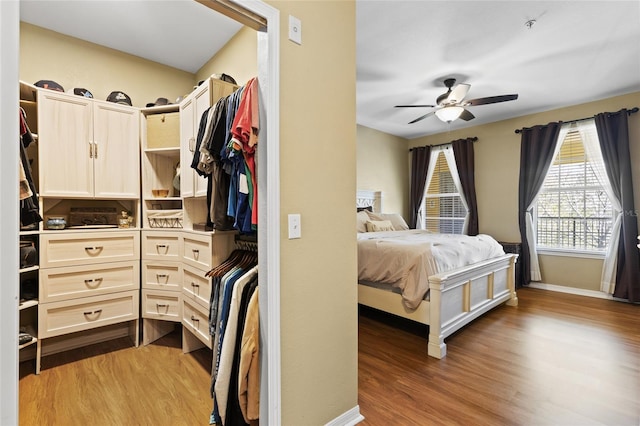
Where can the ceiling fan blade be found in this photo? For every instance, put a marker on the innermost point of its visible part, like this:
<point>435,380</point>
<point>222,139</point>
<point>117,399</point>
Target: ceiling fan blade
<point>422,117</point>
<point>458,93</point>
<point>415,106</point>
<point>466,115</point>
<point>492,100</point>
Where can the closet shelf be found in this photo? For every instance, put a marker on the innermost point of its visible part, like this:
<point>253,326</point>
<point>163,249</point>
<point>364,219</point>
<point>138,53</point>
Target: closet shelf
<point>30,268</point>
<point>28,304</point>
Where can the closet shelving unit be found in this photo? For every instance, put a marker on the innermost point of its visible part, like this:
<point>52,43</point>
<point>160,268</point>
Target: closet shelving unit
<point>177,256</point>
<point>88,163</point>
<point>28,303</point>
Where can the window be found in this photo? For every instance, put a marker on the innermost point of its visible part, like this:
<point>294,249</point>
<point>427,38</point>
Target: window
<point>573,211</point>
<point>443,207</point>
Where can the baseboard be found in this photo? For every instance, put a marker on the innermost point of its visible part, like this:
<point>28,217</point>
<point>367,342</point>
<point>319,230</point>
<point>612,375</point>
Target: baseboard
<point>571,290</point>
<point>348,418</point>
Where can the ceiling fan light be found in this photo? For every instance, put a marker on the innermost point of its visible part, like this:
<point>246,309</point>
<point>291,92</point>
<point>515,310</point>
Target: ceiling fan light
<point>450,113</point>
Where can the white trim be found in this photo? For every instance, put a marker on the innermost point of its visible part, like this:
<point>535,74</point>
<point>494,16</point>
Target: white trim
<point>571,290</point>
<point>348,418</point>
<point>571,253</point>
<point>9,216</point>
<point>269,210</point>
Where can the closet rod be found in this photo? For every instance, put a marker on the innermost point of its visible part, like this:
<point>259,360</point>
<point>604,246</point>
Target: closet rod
<point>629,112</point>
<point>237,13</point>
<point>473,139</point>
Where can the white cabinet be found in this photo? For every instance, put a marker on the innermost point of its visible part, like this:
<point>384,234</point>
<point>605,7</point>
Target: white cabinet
<point>88,148</point>
<point>191,110</point>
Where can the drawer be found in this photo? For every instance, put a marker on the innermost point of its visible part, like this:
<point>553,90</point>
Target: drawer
<point>162,305</point>
<point>162,276</point>
<point>70,249</point>
<point>65,317</point>
<point>161,246</point>
<point>197,251</point>
<point>195,319</point>
<point>73,282</point>
<point>195,286</point>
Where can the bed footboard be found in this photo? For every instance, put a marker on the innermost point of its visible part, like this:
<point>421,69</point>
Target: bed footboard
<point>459,296</point>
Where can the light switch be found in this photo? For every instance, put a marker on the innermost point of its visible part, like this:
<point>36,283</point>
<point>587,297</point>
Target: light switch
<point>295,30</point>
<point>294,226</point>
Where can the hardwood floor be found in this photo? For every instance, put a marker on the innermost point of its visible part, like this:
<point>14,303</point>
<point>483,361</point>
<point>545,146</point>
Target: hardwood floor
<point>115,384</point>
<point>563,360</point>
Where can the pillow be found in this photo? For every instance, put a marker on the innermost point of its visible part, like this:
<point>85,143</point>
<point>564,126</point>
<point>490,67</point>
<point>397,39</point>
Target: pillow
<point>361,219</point>
<point>379,225</point>
<point>396,220</point>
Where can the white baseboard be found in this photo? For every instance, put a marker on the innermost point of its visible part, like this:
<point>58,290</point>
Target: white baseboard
<point>348,418</point>
<point>571,290</point>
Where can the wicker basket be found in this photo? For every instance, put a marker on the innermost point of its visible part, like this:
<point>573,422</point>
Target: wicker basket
<point>165,218</point>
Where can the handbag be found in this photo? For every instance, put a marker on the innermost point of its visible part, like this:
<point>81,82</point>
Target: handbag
<point>28,254</point>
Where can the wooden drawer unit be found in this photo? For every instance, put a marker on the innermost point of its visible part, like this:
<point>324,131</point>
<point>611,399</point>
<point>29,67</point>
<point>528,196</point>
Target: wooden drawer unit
<point>63,317</point>
<point>84,248</point>
<point>73,282</point>
<point>165,276</point>
<point>195,319</point>
<point>161,245</point>
<point>198,250</point>
<point>195,286</point>
<point>162,305</point>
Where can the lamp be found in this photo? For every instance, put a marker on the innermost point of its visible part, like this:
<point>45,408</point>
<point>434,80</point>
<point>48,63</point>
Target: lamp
<point>449,113</point>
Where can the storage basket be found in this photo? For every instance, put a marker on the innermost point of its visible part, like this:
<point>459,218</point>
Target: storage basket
<point>165,218</point>
<point>163,130</point>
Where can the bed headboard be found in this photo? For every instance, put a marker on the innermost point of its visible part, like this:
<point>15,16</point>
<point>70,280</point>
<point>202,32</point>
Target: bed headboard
<point>373,199</point>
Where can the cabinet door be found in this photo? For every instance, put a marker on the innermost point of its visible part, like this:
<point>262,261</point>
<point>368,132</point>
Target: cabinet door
<point>65,141</point>
<point>116,151</point>
<point>187,143</point>
<point>202,102</point>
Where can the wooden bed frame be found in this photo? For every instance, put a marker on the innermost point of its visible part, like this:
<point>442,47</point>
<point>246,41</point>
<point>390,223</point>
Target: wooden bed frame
<point>455,297</point>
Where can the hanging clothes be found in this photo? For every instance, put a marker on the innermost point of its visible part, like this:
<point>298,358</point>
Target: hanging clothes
<point>230,281</point>
<point>249,368</point>
<point>29,209</point>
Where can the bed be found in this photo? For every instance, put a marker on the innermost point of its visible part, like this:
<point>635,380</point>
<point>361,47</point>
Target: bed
<point>442,281</point>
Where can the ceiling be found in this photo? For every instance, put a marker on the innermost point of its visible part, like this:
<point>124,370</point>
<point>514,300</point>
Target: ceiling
<point>574,51</point>
<point>183,34</point>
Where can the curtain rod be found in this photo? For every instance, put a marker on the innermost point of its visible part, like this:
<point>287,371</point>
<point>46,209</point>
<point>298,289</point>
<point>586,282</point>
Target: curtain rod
<point>473,139</point>
<point>629,112</point>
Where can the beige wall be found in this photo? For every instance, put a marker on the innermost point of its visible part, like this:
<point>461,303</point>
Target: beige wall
<point>382,165</point>
<point>497,155</point>
<point>47,55</point>
<point>318,177</point>
<point>237,58</point>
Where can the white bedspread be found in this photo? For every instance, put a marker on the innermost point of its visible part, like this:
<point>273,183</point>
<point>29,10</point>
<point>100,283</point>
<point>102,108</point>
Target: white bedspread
<point>405,259</point>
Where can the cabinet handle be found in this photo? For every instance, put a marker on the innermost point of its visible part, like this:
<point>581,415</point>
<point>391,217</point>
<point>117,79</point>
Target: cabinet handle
<point>97,281</point>
<point>90,149</point>
<point>162,246</point>
<point>96,248</point>
<point>162,305</point>
<point>97,311</point>
<point>95,150</point>
<point>196,253</point>
<point>195,285</point>
<point>195,319</point>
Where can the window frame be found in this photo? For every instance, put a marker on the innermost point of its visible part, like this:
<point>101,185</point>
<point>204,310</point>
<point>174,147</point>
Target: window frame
<point>566,251</point>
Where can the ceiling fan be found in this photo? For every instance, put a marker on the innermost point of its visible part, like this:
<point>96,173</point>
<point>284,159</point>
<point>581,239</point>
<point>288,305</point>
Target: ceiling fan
<point>451,105</point>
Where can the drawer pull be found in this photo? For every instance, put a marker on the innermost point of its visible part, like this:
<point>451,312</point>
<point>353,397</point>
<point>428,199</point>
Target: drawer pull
<point>160,247</point>
<point>162,278</point>
<point>95,281</point>
<point>196,253</point>
<point>96,312</point>
<point>195,319</point>
<point>94,249</point>
<point>195,285</point>
<point>162,305</point>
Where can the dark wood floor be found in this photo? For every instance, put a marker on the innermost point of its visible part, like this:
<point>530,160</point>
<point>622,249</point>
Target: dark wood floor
<point>561,360</point>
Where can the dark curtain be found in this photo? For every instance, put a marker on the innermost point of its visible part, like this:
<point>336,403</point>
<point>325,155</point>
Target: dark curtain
<point>463,153</point>
<point>419,168</point>
<point>613,135</point>
<point>536,154</point>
